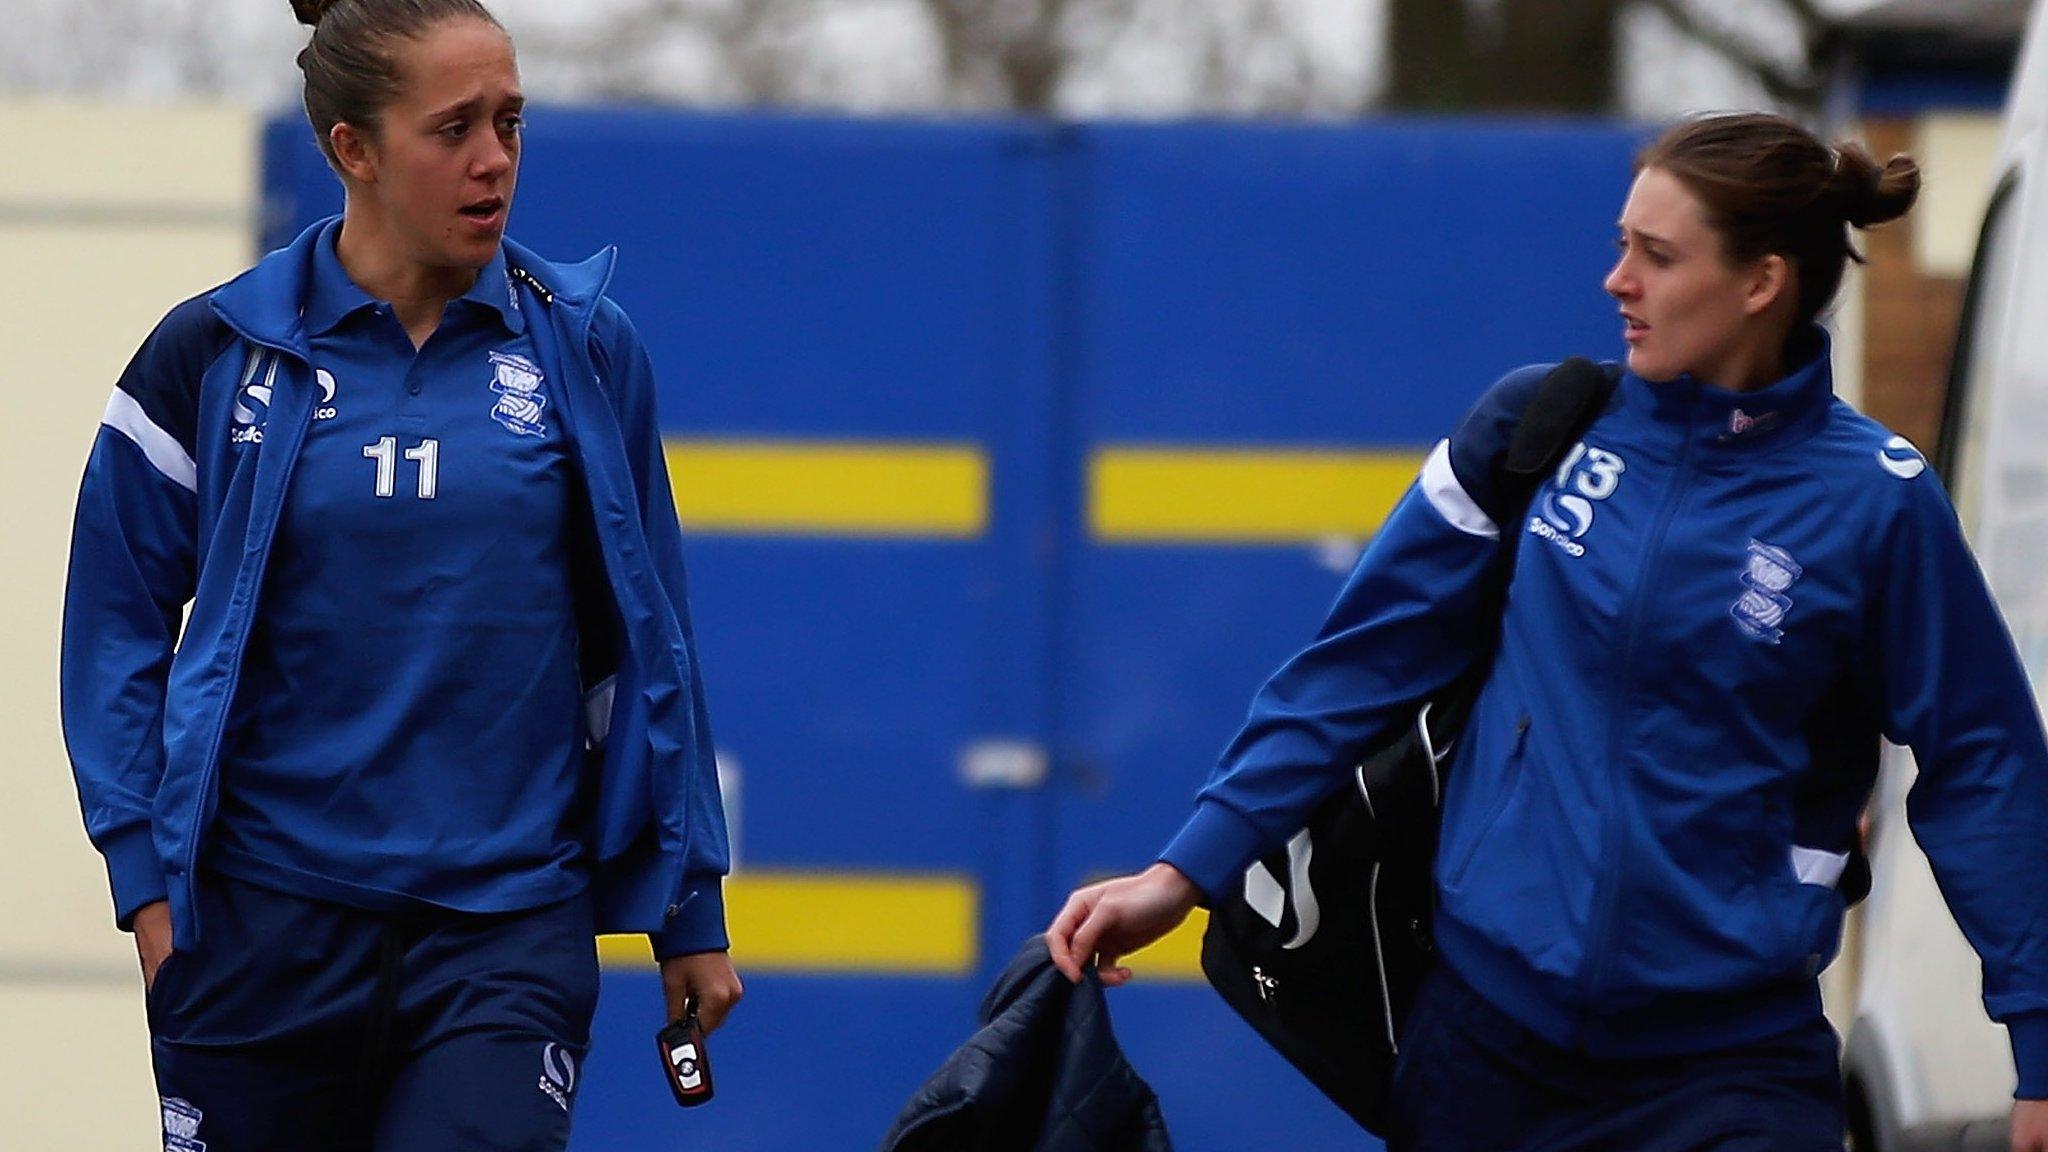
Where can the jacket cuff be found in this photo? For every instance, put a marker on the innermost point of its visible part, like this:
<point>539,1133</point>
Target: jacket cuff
<point>2029,1032</point>
<point>1214,848</point>
<point>133,871</point>
<point>695,922</point>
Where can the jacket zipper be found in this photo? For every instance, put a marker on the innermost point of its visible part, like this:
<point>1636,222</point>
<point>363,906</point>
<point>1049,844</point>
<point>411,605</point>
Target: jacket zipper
<point>617,570</point>
<point>210,767</point>
<point>1605,896</point>
<point>581,335</point>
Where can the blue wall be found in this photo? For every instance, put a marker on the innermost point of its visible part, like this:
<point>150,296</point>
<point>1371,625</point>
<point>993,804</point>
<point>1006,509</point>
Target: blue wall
<point>1041,292</point>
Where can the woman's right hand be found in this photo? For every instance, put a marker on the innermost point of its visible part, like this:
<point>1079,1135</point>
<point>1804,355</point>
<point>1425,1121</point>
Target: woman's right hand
<point>152,939</point>
<point>1105,922</point>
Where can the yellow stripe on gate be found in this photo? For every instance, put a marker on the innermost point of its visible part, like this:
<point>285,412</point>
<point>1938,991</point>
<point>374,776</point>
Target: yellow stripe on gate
<point>1176,956</point>
<point>1242,496</point>
<point>830,489</point>
<point>839,922</point>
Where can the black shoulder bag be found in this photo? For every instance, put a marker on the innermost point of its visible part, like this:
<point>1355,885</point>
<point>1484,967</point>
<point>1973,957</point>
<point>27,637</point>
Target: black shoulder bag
<point>1323,948</point>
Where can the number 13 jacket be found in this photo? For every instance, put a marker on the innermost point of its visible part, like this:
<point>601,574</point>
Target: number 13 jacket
<point>177,507</point>
<point>1639,844</point>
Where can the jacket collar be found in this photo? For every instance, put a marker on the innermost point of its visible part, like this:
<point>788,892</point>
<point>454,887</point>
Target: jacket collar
<point>1788,408</point>
<point>574,287</point>
<point>267,304</point>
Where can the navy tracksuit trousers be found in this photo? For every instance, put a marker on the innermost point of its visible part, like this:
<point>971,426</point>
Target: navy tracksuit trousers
<point>1469,1079</point>
<point>304,1025</point>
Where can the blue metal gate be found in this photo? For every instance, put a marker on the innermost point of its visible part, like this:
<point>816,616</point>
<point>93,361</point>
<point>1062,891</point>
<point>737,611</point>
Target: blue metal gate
<point>1013,456</point>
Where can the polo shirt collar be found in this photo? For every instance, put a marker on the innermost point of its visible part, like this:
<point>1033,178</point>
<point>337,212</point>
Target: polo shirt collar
<point>332,297</point>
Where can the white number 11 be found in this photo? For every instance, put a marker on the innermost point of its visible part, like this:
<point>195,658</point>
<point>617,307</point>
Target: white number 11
<point>385,453</point>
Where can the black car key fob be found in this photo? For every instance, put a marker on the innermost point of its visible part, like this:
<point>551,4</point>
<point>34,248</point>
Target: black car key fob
<point>684,1060</point>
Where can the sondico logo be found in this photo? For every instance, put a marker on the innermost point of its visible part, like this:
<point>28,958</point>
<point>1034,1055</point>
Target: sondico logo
<point>1273,900</point>
<point>1901,459</point>
<point>325,409</point>
<point>1564,513</point>
<point>558,1074</point>
<point>252,399</point>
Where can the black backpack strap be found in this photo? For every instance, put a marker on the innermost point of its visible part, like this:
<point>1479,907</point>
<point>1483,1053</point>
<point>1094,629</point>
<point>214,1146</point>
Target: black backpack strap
<point>1564,405</point>
<point>1567,401</point>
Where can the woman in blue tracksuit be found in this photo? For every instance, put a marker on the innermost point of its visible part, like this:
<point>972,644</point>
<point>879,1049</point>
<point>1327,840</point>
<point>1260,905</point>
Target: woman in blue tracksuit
<point>1640,845</point>
<point>435,718</point>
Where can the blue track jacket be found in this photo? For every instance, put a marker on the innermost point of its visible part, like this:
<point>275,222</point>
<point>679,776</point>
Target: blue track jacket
<point>171,512</point>
<point>1639,845</point>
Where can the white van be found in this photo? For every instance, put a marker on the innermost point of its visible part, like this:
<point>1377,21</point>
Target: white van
<point>1926,1069</point>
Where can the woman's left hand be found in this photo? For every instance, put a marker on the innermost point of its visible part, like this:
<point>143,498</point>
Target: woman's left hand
<point>2030,1126</point>
<point>706,977</point>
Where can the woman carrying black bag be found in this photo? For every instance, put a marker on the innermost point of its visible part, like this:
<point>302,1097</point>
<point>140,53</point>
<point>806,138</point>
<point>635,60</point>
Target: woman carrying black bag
<point>1642,831</point>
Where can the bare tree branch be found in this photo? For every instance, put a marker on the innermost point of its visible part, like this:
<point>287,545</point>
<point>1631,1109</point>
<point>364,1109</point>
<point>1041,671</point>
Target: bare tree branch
<point>1815,23</point>
<point>618,57</point>
<point>1012,53</point>
<point>1531,55</point>
<point>1236,59</point>
<point>1801,89</point>
<point>1035,56</point>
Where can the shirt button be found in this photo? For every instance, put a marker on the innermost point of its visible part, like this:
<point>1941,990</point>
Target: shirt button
<point>672,910</point>
<point>413,388</point>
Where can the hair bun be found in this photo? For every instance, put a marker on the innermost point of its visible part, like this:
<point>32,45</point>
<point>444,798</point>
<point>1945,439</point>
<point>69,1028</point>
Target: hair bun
<point>1869,194</point>
<point>310,11</point>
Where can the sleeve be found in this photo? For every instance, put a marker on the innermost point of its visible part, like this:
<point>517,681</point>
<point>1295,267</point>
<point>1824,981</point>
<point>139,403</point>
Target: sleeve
<point>1953,689</point>
<point>700,925</point>
<point>1407,622</point>
<point>132,569</point>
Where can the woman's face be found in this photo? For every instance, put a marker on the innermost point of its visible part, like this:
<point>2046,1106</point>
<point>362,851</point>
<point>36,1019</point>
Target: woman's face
<point>1684,306</point>
<point>445,157</point>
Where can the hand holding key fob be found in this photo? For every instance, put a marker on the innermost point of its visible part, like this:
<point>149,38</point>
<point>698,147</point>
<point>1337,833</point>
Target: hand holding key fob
<point>684,1060</point>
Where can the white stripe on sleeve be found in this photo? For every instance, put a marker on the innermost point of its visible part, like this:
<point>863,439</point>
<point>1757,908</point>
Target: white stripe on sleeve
<point>162,449</point>
<point>597,710</point>
<point>1448,497</point>
<point>1814,866</point>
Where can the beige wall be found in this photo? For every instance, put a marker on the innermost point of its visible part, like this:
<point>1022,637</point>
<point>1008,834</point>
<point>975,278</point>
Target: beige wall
<point>1958,154</point>
<point>108,216</point>
<point>1912,291</point>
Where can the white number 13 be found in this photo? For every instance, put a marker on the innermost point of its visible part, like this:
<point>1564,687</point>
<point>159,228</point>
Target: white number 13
<point>1603,471</point>
<point>385,453</point>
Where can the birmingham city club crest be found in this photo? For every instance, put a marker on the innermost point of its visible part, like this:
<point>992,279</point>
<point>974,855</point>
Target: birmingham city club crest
<point>1768,575</point>
<point>520,400</point>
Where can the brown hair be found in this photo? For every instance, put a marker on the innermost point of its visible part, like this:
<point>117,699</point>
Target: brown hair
<point>1770,186</point>
<point>351,73</point>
